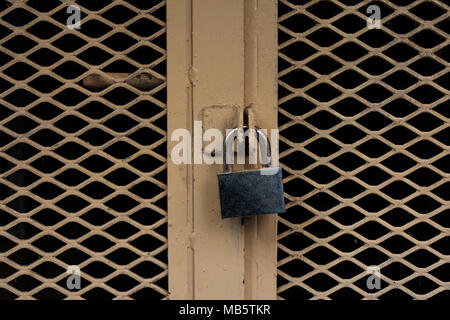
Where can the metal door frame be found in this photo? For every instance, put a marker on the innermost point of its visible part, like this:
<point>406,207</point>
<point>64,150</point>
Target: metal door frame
<point>222,57</point>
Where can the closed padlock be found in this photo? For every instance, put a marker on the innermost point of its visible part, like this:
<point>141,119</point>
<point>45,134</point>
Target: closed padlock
<point>250,192</point>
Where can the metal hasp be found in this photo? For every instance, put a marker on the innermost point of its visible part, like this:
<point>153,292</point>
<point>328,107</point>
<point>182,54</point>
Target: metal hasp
<point>252,192</point>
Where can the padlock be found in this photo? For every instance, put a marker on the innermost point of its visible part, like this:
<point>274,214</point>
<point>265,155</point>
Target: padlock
<point>250,192</point>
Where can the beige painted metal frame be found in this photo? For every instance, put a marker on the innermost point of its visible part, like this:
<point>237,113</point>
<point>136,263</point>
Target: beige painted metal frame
<point>222,57</point>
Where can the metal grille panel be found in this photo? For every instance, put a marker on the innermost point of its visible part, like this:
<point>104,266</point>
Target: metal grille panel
<point>83,171</point>
<point>364,147</point>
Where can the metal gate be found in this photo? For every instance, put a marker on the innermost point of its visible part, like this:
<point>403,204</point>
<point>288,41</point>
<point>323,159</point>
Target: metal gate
<point>85,181</point>
<point>364,141</point>
<point>83,161</point>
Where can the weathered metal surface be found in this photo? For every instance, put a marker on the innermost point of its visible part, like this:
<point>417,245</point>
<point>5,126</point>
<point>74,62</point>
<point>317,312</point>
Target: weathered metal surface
<point>251,192</point>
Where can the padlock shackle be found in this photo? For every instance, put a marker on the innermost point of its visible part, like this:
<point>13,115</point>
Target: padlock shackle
<point>229,140</point>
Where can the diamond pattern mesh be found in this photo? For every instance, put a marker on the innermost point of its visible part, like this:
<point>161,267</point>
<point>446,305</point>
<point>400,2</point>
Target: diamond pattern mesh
<point>83,170</point>
<point>364,141</point>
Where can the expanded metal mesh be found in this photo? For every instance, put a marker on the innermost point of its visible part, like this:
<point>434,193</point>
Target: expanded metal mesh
<point>83,170</point>
<point>365,135</point>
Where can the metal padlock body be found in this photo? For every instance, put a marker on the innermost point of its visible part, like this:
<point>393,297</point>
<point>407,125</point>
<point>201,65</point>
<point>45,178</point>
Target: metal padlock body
<point>247,193</point>
<point>250,192</point>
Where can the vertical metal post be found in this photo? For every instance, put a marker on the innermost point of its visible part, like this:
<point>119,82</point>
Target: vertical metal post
<point>221,58</point>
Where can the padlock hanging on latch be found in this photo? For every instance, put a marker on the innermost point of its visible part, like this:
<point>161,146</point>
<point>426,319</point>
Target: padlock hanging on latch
<point>250,192</point>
